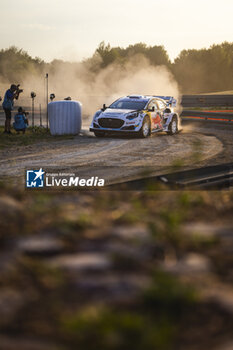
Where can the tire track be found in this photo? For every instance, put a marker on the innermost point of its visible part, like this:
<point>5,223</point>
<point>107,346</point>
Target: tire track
<point>122,156</point>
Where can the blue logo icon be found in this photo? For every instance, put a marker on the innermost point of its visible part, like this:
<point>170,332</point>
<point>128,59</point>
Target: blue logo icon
<point>35,178</point>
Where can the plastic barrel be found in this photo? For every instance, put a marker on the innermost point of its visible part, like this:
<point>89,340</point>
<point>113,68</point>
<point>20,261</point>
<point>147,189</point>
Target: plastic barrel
<point>65,117</point>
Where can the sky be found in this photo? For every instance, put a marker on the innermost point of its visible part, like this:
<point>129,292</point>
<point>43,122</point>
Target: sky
<point>72,29</point>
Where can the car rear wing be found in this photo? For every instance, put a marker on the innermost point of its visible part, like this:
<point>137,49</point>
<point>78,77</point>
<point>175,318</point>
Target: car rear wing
<point>170,101</point>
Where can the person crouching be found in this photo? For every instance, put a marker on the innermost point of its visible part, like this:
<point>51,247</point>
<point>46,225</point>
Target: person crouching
<point>21,122</point>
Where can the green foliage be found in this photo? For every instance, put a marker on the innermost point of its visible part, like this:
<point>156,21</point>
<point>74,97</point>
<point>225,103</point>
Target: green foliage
<point>16,63</point>
<point>156,55</point>
<point>204,70</point>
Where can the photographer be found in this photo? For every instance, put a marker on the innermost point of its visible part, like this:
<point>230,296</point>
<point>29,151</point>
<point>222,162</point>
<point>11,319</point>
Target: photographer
<point>21,122</point>
<point>8,104</point>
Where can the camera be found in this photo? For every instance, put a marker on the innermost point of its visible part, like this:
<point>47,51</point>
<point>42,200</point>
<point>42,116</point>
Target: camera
<point>18,90</point>
<point>33,94</point>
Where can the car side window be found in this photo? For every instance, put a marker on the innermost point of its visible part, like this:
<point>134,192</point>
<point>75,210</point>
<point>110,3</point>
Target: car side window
<point>164,105</point>
<point>153,104</point>
<point>161,105</point>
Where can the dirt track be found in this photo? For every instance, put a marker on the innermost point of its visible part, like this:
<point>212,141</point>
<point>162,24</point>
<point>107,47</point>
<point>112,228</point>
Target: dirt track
<point>114,158</point>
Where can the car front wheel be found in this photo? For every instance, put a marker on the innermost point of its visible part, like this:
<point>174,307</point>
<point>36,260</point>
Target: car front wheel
<point>146,128</point>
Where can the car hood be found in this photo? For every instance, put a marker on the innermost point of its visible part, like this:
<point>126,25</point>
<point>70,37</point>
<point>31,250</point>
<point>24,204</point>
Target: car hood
<point>110,112</point>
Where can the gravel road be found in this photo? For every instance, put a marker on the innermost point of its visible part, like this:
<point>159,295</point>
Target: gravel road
<point>117,159</point>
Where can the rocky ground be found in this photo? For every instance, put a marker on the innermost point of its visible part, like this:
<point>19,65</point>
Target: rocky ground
<point>116,270</point>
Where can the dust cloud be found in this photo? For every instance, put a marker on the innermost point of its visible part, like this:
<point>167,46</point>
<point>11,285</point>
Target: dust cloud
<point>137,76</point>
<point>94,86</point>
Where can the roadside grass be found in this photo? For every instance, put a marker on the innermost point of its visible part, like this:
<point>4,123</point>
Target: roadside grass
<point>31,136</point>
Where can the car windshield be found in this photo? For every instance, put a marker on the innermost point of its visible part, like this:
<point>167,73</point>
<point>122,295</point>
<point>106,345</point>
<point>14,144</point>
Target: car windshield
<point>127,104</point>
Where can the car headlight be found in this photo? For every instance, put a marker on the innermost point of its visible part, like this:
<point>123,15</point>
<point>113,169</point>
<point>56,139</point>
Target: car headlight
<point>132,116</point>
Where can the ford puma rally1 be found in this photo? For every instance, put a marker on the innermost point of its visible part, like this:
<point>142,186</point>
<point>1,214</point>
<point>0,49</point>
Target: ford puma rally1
<point>136,114</point>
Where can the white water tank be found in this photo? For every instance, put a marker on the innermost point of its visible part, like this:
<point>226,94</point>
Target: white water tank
<point>65,117</point>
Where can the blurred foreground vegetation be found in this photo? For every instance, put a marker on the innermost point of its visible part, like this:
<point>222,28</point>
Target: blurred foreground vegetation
<point>115,270</point>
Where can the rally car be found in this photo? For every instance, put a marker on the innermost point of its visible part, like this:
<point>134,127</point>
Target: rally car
<point>137,114</point>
